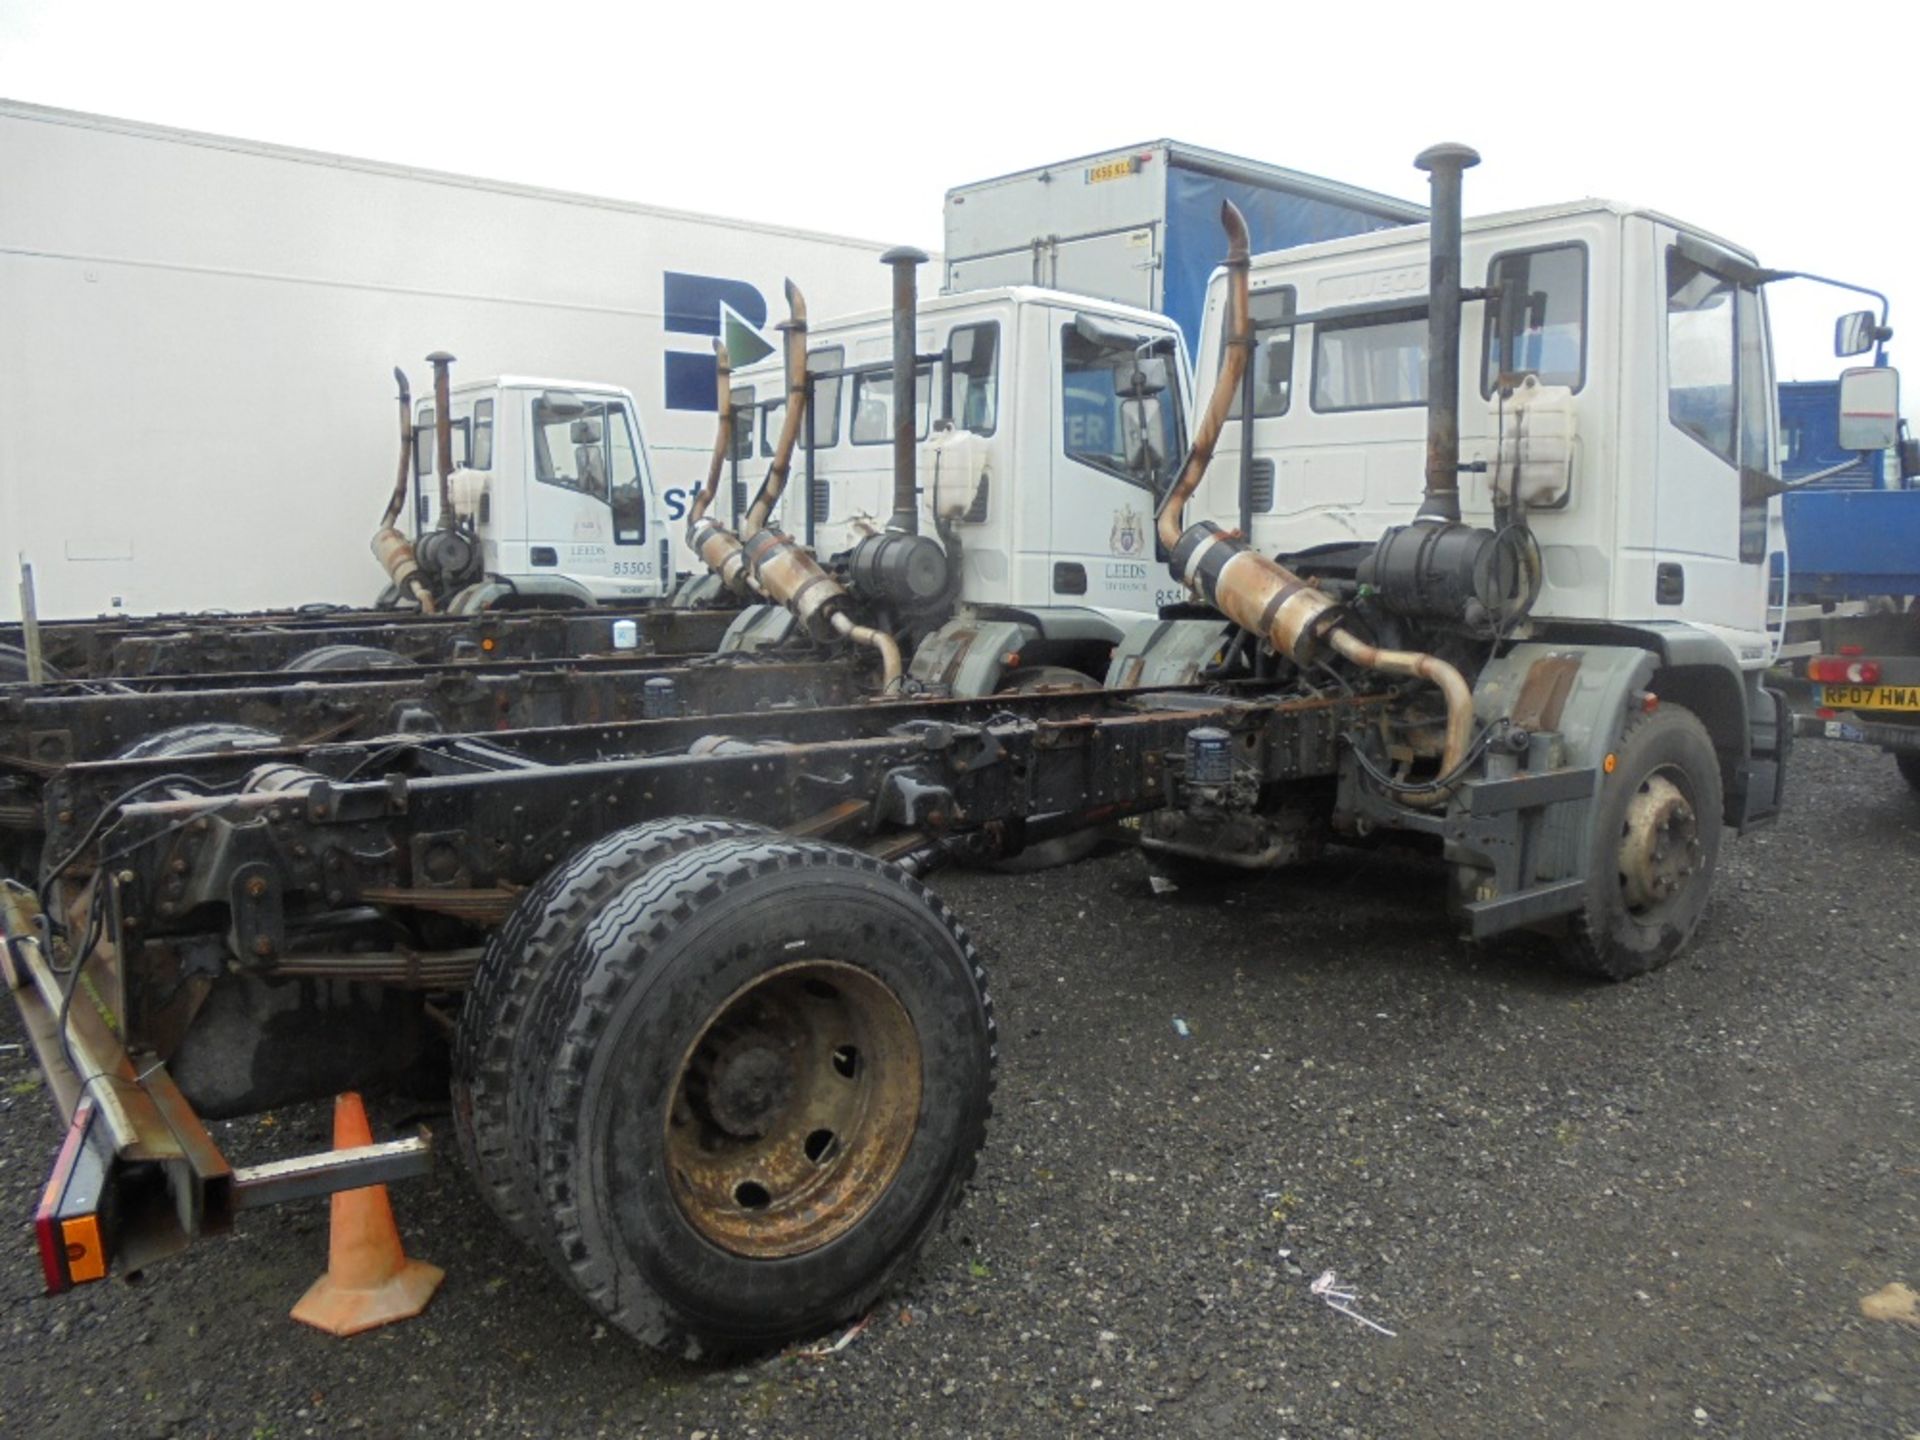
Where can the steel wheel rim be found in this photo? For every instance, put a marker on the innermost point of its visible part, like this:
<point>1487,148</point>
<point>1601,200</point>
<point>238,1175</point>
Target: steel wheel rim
<point>793,1109</point>
<point>1660,851</point>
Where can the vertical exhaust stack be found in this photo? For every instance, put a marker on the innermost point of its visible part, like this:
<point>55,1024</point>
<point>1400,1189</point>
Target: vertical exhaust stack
<point>722,439</point>
<point>443,432</point>
<point>1263,596</point>
<point>1444,164</point>
<point>391,547</point>
<point>905,260</point>
<point>794,331</point>
<point>718,547</point>
<point>1233,364</point>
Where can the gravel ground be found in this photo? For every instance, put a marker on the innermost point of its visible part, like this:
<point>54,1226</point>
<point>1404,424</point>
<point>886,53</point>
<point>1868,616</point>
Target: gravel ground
<point>1649,1209</point>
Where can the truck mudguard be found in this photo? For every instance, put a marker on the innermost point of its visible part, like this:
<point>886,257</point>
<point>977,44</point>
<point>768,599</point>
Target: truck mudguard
<point>758,627</point>
<point>1573,700</point>
<point>1167,652</point>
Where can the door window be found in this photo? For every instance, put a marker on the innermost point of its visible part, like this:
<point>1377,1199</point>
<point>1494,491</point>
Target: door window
<point>1271,312</point>
<point>482,435</point>
<point>1701,400</point>
<point>1719,381</point>
<point>586,444</point>
<point>973,394</point>
<point>1119,407</point>
<point>1537,325</point>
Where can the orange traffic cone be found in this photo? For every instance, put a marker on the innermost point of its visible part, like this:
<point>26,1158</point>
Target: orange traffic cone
<point>369,1280</point>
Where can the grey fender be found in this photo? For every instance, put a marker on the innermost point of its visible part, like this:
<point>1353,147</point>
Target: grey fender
<point>758,627</point>
<point>1167,652</point>
<point>968,656</point>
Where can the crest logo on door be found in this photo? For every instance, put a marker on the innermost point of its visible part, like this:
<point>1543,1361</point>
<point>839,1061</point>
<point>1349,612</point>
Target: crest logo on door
<point>1128,536</point>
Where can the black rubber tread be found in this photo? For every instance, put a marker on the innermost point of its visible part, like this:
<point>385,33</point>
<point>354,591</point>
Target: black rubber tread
<point>202,738</point>
<point>541,925</point>
<point>617,970</point>
<point>1909,768</point>
<point>343,657</point>
<point>13,666</point>
<point>1604,940</point>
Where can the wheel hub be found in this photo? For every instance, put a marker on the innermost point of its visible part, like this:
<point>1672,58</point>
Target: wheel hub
<point>1660,848</point>
<point>793,1109</point>
<point>748,1084</point>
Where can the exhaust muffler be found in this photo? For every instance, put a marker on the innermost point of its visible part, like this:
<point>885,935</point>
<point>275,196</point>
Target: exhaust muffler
<point>1260,594</point>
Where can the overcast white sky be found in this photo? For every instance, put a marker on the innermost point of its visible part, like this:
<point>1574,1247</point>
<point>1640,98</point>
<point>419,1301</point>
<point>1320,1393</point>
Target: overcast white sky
<point>1788,129</point>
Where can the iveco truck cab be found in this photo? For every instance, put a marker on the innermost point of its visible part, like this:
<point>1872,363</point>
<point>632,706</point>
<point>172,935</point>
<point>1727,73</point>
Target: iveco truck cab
<point>1046,427</point>
<point>545,500</point>
<point>1531,462</point>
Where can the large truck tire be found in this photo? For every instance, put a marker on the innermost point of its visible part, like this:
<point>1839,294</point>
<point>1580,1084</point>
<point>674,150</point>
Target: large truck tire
<point>1656,841</point>
<point>206,737</point>
<point>343,657</point>
<point>1909,768</point>
<point>542,924</point>
<point>13,666</point>
<point>770,1080</point>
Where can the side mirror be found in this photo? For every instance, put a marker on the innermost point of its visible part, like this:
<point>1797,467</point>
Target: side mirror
<point>1869,408</point>
<point>1140,435</point>
<point>1855,334</point>
<point>1140,377</point>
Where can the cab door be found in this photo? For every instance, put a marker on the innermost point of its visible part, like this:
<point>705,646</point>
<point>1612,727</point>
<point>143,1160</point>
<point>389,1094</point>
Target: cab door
<point>1119,436</point>
<point>589,512</point>
<point>1716,445</point>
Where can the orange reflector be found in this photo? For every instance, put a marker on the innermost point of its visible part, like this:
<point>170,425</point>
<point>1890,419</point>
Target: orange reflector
<point>86,1255</point>
<point>1011,659</point>
<point>487,642</point>
<point>1610,764</point>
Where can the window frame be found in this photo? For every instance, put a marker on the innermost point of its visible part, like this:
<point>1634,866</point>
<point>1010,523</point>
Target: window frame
<point>1395,314</point>
<point>1176,456</point>
<point>1291,324</point>
<point>1492,308</point>
<point>1731,456</point>
<point>922,385</point>
<point>946,395</point>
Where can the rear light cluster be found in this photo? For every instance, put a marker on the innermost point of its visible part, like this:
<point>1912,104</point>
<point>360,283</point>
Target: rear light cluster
<point>1836,670</point>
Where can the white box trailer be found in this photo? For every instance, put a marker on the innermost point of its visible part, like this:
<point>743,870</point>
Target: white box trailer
<point>1141,224</point>
<point>196,334</point>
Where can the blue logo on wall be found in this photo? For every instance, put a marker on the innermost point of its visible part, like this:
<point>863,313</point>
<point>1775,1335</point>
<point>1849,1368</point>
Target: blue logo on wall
<point>724,309</point>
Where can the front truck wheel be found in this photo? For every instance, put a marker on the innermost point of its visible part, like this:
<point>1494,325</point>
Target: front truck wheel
<point>774,1080</point>
<point>1909,764</point>
<point>1656,839</point>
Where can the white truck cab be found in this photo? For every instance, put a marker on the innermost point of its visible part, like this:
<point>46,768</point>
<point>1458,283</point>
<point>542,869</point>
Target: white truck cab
<point>1619,381</point>
<point>1048,424</point>
<point>551,478</point>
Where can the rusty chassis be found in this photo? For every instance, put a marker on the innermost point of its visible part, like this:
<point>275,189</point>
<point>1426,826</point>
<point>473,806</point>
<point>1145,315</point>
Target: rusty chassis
<point>174,893</point>
<point>121,647</point>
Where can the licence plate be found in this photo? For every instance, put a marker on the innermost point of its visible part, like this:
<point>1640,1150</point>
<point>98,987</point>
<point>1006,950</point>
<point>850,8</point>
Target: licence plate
<point>1870,697</point>
<point>1112,170</point>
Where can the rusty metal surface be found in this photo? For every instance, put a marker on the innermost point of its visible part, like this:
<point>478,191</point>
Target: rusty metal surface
<point>793,1109</point>
<point>1543,694</point>
<point>1239,346</point>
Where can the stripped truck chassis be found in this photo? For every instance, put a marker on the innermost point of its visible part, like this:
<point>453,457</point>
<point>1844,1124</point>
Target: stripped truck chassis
<point>122,647</point>
<point>205,892</point>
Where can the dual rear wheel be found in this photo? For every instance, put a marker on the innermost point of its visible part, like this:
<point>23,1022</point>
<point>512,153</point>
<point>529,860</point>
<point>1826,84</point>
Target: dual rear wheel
<point>726,1081</point>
